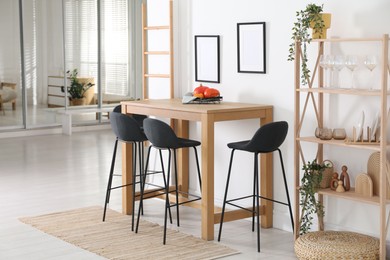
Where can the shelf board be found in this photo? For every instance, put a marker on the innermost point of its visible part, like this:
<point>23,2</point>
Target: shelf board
<point>351,195</point>
<point>156,52</point>
<point>348,40</point>
<point>313,139</point>
<point>162,27</point>
<point>157,75</point>
<point>346,91</point>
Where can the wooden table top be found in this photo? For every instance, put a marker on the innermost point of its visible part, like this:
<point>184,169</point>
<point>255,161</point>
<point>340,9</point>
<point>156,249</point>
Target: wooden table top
<point>164,107</point>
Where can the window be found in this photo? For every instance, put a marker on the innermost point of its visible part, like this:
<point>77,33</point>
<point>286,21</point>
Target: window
<point>81,26</point>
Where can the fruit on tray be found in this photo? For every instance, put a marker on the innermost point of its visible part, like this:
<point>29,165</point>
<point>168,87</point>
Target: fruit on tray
<point>199,91</point>
<point>211,93</point>
<point>205,92</point>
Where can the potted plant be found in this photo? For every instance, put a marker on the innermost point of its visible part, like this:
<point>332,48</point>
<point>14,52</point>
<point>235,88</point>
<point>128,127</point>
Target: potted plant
<point>310,17</point>
<point>77,88</point>
<point>310,184</point>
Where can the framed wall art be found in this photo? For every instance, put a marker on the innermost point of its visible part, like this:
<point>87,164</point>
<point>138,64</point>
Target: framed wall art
<point>251,47</point>
<point>207,58</point>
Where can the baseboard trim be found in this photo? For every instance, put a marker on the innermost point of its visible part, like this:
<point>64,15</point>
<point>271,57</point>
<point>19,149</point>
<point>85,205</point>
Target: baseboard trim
<point>50,131</point>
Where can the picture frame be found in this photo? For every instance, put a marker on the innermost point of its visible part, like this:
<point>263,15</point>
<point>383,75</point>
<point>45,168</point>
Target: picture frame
<point>251,47</point>
<point>207,58</point>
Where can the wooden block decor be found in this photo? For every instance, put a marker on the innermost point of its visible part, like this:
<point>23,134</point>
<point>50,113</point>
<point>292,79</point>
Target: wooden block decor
<point>364,185</point>
<point>373,170</point>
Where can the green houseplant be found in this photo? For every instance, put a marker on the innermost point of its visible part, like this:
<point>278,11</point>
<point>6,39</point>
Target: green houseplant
<point>77,88</point>
<point>310,17</point>
<point>310,184</point>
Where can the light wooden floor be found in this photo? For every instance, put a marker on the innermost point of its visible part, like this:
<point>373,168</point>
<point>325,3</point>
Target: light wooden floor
<point>54,173</point>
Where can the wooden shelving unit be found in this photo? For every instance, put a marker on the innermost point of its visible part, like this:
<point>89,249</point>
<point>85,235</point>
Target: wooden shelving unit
<point>147,53</point>
<point>313,95</point>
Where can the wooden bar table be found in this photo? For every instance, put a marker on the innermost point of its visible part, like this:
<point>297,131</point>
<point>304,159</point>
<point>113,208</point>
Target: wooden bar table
<point>207,115</point>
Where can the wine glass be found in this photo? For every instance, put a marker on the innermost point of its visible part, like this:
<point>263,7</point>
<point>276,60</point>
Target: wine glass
<point>370,62</point>
<point>351,63</point>
<point>330,59</point>
<point>324,63</point>
<point>339,63</point>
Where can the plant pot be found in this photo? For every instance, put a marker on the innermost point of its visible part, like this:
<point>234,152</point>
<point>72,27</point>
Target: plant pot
<point>78,101</point>
<point>326,17</point>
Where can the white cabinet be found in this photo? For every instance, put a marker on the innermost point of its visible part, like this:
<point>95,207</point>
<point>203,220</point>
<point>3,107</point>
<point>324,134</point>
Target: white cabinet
<point>312,96</point>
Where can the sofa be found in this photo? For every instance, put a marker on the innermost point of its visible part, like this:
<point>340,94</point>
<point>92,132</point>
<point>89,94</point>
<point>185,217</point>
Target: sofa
<point>8,94</point>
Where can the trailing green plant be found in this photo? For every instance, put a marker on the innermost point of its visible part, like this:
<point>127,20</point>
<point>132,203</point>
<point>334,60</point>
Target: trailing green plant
<point>77,89</point>
<point>310,183</point>
<point>310,17</point>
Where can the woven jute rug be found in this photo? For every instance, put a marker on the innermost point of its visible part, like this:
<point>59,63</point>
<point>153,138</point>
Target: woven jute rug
<point>114,239</point>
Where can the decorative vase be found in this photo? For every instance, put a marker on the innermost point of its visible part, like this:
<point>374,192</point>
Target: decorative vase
<point>327,174</point>
<point>326,17</point>
<point>78,101</point>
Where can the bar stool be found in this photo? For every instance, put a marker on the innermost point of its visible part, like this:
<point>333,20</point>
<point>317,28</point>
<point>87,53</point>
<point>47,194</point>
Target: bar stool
<point>162,137</point>
<point>267,139</point>
<point>127,129</point>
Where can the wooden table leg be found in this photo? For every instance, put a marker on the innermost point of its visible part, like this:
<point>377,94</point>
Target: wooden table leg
<point>182,130</point>
<point>207,177</point>
<point>266,179</point>
<point>127,174</point>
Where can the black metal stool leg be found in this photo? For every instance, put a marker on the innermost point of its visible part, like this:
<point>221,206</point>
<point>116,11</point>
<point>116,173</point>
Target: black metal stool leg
<point>225,196</point>
<point>257,200</point>
<point>165,182</point>
<point>142,189</point>
<point>254,194</point>
<point>286,187</point>
<point>176,188</point>
<point>167,204</point>
<point>197,167</point>
<point>141,165</point>
<point>134,176</point>
<point>142,153</point>
<point>108,192</point>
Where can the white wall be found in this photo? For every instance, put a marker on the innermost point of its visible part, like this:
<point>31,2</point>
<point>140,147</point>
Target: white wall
<point>219,17</point>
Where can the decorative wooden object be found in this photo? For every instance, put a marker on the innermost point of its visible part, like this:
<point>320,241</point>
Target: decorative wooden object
<point>344,177</point>
<point>335,181</point>
<point>362,139</point>
<point>373,169</point>
<point>340,187</point>
<point>363,184</point>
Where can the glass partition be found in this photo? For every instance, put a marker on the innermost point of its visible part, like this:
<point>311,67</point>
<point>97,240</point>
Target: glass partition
<point>42,48</point>
<point>11,113</point>
<point>57,39</point>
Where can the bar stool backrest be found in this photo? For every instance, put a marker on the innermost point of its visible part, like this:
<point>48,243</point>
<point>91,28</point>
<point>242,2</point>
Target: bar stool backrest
<point>126,128</point>
<point>137,117</point>
<point>160,134</point>
<point>269,137</point>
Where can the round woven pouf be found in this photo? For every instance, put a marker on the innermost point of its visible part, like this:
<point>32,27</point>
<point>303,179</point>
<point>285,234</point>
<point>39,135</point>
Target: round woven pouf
<point>336,245</point>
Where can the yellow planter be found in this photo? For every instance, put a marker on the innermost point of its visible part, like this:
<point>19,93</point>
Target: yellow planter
<point>326,17</point>
<point>78,101</point>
